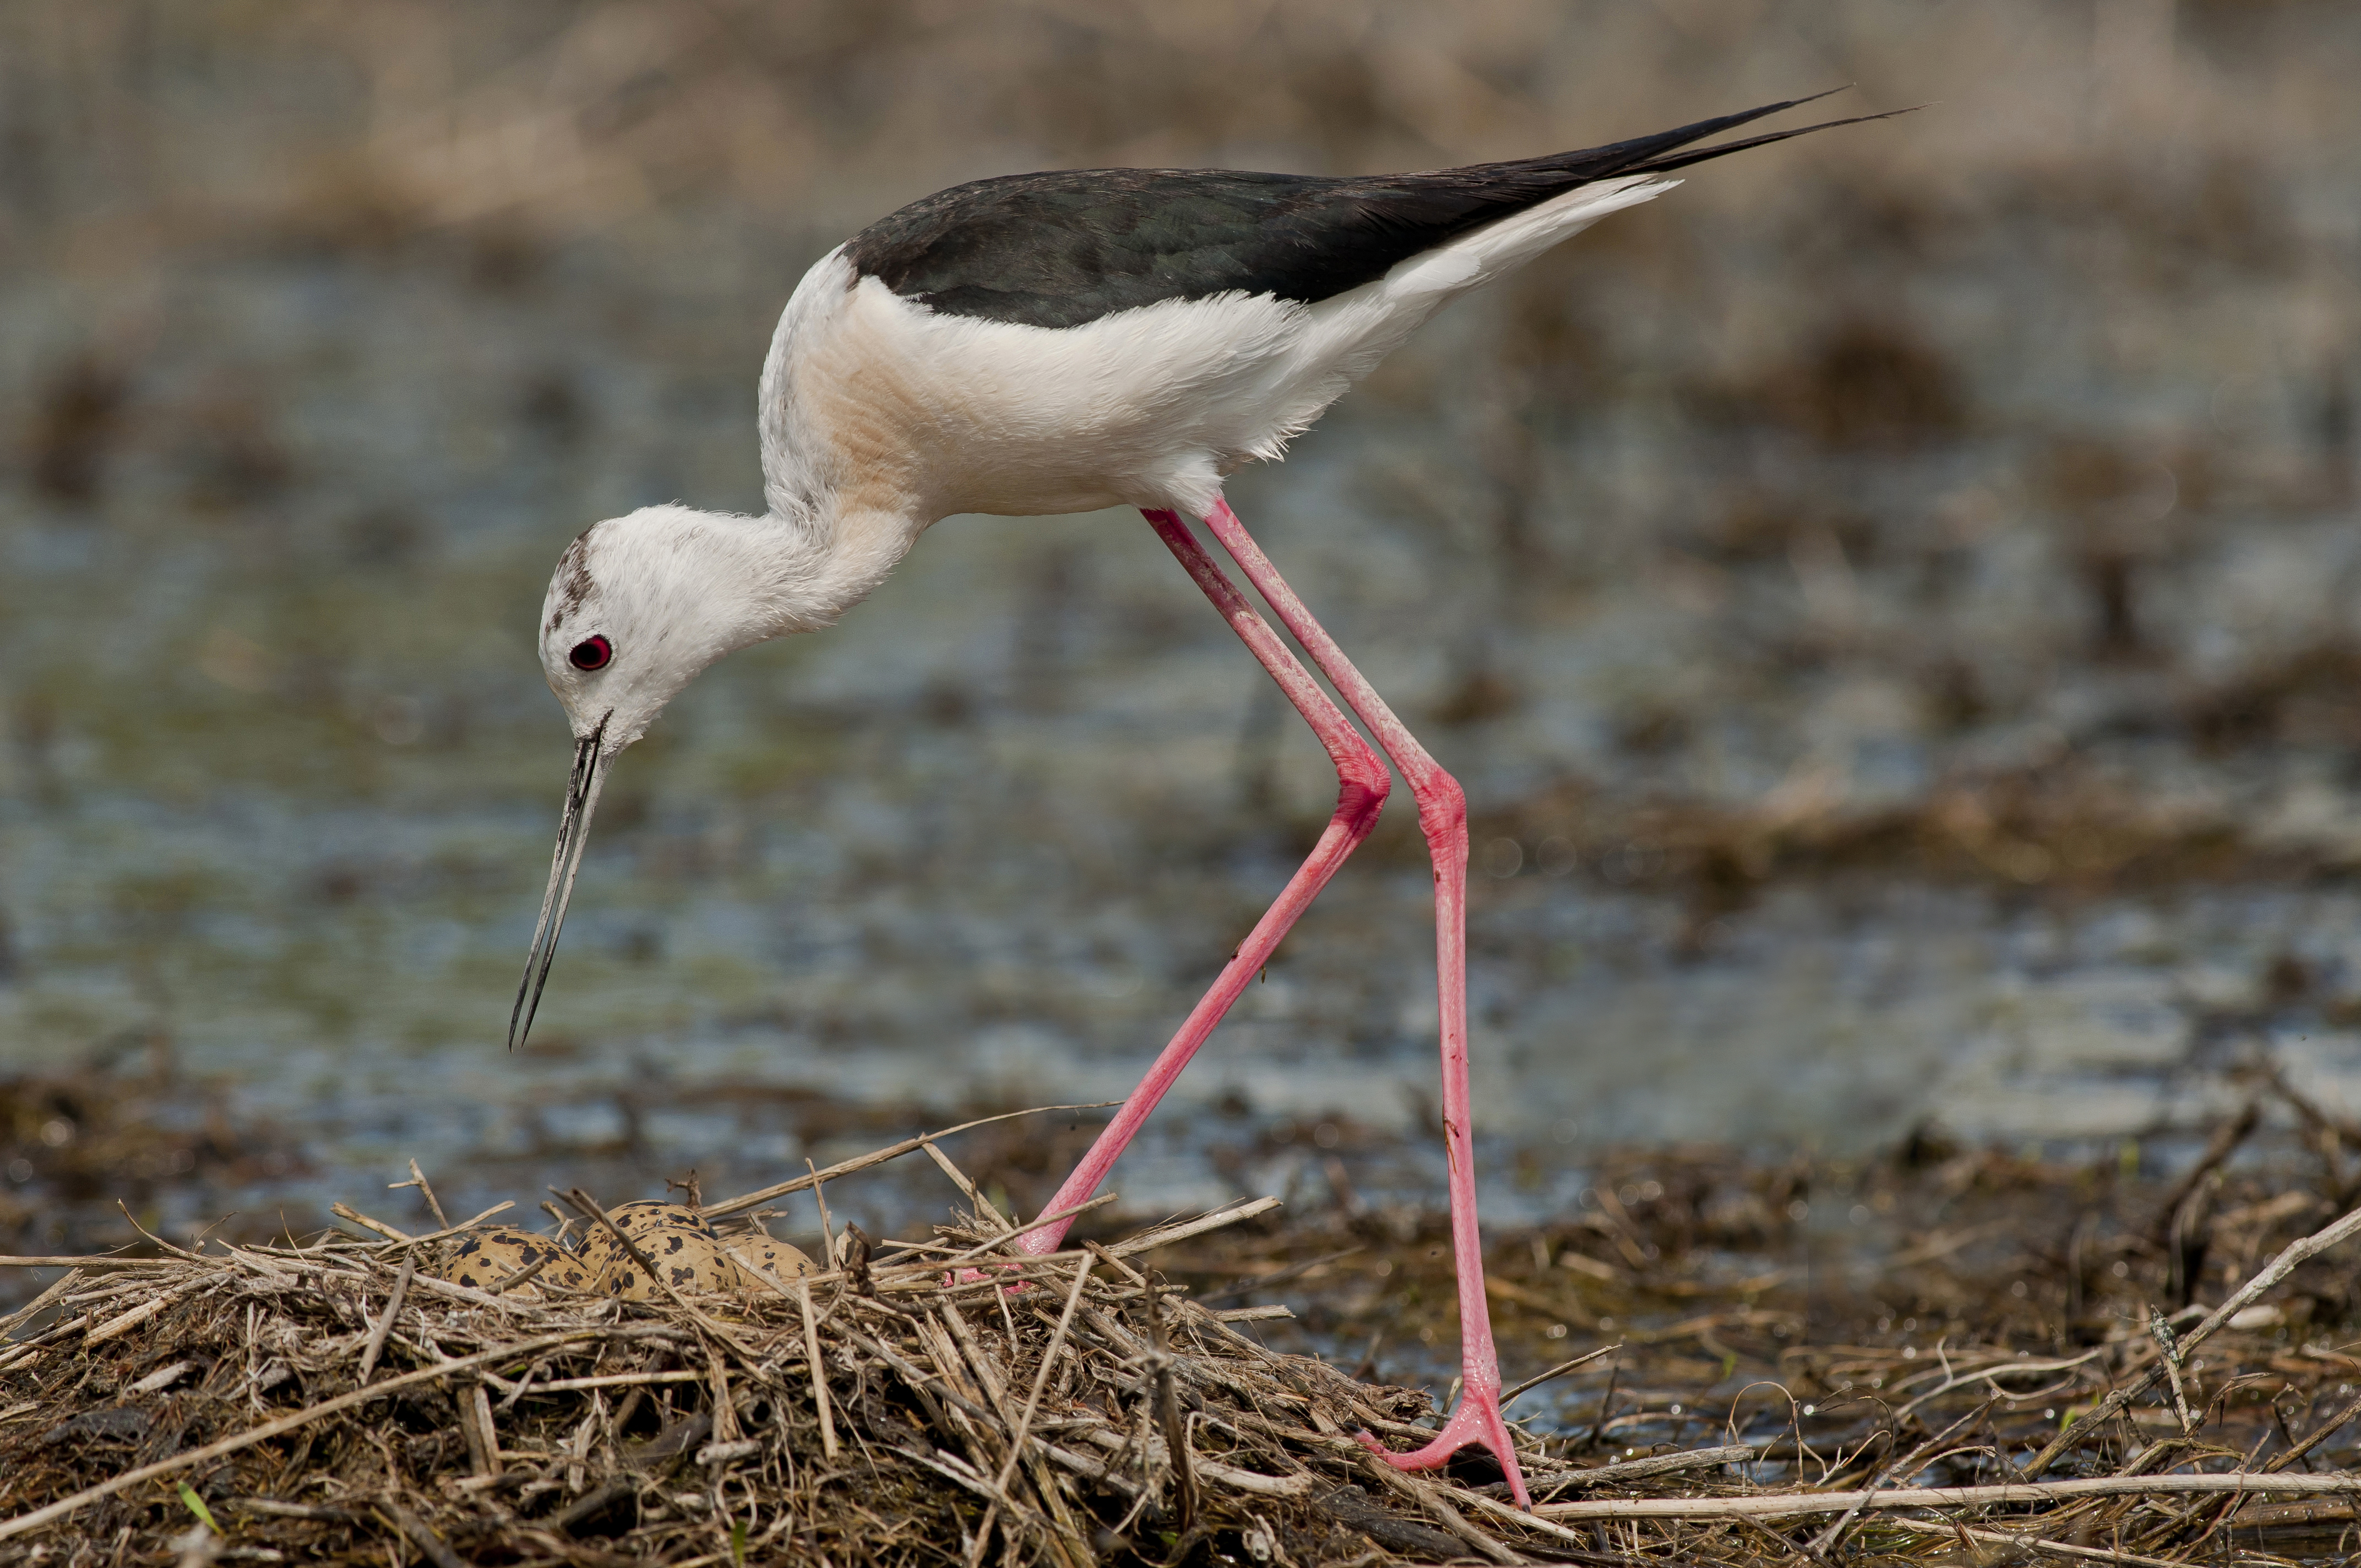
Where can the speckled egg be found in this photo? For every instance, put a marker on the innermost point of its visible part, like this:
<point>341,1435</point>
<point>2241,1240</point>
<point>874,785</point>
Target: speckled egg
<point>777,1260</point>
<point>675,1239</point>
<point>490,1254</point>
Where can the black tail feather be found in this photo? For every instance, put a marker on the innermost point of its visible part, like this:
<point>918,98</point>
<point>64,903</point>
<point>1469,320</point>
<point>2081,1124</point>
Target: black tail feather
<point>1641,152</point>
<point>1699,155</point>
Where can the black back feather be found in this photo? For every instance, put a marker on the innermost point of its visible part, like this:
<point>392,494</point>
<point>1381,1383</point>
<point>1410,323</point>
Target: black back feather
<point>1060,248</point>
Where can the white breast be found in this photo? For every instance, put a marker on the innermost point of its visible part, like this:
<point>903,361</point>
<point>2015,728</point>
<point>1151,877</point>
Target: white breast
<point>889,403</point>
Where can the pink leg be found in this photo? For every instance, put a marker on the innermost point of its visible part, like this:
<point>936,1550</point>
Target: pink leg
<point>1362,782</point>
<point>1442,816</point>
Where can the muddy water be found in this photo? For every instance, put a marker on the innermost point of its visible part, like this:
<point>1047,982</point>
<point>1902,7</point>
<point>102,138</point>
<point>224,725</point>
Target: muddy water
<point>980,845</point>
<point>1848,499</point>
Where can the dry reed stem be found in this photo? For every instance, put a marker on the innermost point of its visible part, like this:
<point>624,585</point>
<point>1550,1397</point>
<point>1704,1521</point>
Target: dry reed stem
<point>1782,1505</point>
<point>943,1418</point>
<point>425,1191</point>
<point>384,1324</point>
<point>2024,1542</point>
<point>818,1369</point>
<point>2246,1294</point>
<point>178,1462</point>
<point>875,1158</point>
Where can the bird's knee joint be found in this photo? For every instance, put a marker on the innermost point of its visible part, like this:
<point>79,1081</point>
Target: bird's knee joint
<point>1364,789</point>
<point>1362,781</point>
<point>1442,805</point>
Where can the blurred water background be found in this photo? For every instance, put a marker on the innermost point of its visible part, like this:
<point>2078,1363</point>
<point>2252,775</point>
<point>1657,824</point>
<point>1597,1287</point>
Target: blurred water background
<point>1894,602</point>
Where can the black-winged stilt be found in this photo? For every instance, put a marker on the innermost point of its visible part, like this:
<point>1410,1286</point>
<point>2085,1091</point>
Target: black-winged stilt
<point>1063,342</point>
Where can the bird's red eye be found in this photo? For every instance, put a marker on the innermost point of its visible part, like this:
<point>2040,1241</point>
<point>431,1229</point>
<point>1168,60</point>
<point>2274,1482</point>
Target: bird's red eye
<point>591,654</point>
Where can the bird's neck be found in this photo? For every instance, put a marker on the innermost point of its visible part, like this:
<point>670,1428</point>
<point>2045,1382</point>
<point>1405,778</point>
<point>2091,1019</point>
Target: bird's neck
<point>802,570</point>
<point>834,530</point>
<point>837,559</point>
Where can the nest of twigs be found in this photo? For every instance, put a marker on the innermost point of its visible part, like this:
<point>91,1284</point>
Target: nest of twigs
<point>340,1400</point>
<point>935,1400</point>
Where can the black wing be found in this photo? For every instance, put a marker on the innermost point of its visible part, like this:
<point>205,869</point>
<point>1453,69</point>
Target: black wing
<point>1065,247</point>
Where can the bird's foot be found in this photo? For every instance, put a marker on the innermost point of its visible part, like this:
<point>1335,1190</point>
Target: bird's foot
<point>1478,1420</point>
<point>978,1276</point>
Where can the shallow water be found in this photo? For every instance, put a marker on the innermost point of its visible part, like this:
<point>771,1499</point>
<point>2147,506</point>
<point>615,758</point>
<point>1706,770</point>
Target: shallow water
<point>1704,521</point>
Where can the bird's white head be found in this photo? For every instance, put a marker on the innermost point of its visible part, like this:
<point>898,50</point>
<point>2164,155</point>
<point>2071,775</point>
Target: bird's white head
<point>638,605</point>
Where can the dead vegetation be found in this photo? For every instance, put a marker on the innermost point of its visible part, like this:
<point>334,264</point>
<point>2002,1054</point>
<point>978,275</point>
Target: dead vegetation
<point>2069,823</point>
<point>299,1401</point>
<point>123,1128</point>
<point>1968,1356</point>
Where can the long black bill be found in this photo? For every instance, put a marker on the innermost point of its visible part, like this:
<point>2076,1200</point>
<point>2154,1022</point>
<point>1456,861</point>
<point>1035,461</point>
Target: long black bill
<point>573,833</point>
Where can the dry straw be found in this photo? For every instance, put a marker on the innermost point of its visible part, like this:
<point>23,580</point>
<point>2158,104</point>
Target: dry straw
<point>285,1403</point>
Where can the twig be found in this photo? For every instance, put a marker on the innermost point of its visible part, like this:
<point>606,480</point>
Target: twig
<point>589,1205</point>
<point>269,1429</point>
<point>468,1293</point>
<point>1168,1413</point>
<point>1106,1256</point>
<point>879,1157</point>
<point>1607,1405</point>
<point>1000,1243</point>
<point>1041,1374</point>
<point>476,1425</point>
<point>463,1227</point>
<point>26,1314</point>
<point>1641,1469</point>
<point>1941,1243</point>
<point>404,1238</point>
<point>177,1252</point>
<point>1907,1465</point>
<point>858,1250</point>
<point>343,1211</point>
<point>757,1272</point>
<point>1775,1539</point>
<point>2326,1430</point>
<point>418,1180</point>
<point>385,1324</point>
<point>606,1380</point>
<point>827,1229</point>
<point>1165,1235</point>
<point>2162,1331</point>
<point>1989,1375</point>
<point>272,1507</point>
<point>1276,1277</point>
<point>2223,1143</point>
<point>1560,1370</point>
<point>2328,1133</point>
<point>420,1535</point>
<point>2279,1268</point>
<point>1261,1485</point>
<point>1430,1497</point>
<point>725,1408</point>
<point>500,1287</point>
<point>982,1205</point>
<point>1777,1505</point>
<point>818,1371</point>
<point>2036,1543</point>
<point>145,1311</point>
